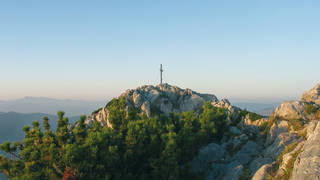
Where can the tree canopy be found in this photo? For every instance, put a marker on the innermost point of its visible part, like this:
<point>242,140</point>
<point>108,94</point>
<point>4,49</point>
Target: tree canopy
<point>136,147</point>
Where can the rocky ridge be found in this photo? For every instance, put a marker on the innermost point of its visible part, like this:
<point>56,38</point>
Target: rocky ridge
<point>284,146</point>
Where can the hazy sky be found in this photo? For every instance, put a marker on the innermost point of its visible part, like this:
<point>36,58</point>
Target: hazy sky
<point>256,50</point>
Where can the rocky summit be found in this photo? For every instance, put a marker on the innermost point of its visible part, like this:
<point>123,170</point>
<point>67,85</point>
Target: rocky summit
<point>285,145</point>
<point>162,98</point>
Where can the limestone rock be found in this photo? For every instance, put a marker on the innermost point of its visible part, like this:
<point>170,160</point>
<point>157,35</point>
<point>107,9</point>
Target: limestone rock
<point>291,110</point>
<point>262,173</point>
<point>247,152</point>
<point>286,159</point>
<point>236,142</point>
<point>207,155</point>
<point>100,116</point>
<point>257,163</point>
<point>275,149</point>
<point>276,129</point>
<point>164,98</point>
<point>312,95</point>
<point>307,164</point>
<point>235,170</point>
<point>224,103</point>
<point>252,127</point>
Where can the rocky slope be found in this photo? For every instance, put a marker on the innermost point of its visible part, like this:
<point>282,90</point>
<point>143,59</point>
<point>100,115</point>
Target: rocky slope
<point>284,146</point>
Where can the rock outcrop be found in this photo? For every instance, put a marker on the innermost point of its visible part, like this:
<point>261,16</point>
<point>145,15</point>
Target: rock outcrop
<point>307,164</point>
<point>291,110</point>
<point>161,98</point>
<point>285,146</point>
<point>288,148</point>
<point>312,95</point>
<point>300,109</point>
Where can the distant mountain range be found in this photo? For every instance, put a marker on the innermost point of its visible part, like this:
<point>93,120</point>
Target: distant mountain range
<point>11,124</point>
<point>260,108</point>
<point>50,106</point>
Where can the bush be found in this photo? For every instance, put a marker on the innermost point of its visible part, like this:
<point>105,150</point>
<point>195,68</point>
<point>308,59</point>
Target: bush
<point>136,147</point>
<point>263,126</point>
<point>289,167</point>
<point>296,124</point>
<point>310,108</point>
<point>271,121</point>
<point>254,116</point>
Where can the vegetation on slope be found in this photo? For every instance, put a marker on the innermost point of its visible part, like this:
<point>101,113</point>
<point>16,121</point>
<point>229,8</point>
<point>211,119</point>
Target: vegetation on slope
<point>136,147</point>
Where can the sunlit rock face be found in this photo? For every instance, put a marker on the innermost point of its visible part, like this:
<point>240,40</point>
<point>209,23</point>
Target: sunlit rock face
<point>312,95</point>
<point>166,98</point>
<point>297,109</point>
<point>282,149</point>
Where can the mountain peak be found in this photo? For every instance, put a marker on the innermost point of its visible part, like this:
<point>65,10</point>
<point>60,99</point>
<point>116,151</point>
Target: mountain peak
<point>164,98</point>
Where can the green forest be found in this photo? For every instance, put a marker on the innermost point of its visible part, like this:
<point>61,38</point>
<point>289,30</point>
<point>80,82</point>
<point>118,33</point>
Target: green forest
<point>136,147</point>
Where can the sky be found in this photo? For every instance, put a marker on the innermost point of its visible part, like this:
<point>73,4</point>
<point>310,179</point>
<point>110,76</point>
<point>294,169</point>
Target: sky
<point>93,50</point>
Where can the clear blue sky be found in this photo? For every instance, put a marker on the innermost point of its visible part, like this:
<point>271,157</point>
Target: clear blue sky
<point>255,50</point>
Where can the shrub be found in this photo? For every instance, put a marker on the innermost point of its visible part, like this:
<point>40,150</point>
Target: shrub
<point>96,111</point>
<point>275,166</point>
<point>296,124</point>
<point>271,121</point>
<point>263,126</point>
<point>310,108</point>
<point>136,147</point>
<point>290,165</point>
<point>254,116</point>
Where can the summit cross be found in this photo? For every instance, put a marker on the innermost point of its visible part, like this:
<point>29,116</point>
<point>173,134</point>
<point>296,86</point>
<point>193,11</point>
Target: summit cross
<point>161,70</point>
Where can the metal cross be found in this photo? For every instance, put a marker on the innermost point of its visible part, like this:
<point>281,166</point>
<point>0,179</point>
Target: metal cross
<point>161,70</point>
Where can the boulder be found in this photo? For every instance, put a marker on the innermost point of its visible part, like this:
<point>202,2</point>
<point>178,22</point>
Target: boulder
<point>291,110</point>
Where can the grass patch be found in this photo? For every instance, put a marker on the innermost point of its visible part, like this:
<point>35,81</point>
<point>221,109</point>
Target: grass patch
<point>271,121</point>
<point>296,124</point>
<point>303,134</point>
<point>317,114</point>
<point>289,167</point>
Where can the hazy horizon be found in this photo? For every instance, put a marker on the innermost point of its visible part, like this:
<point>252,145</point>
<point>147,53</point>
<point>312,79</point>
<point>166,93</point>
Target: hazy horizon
<point>94,51</point>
